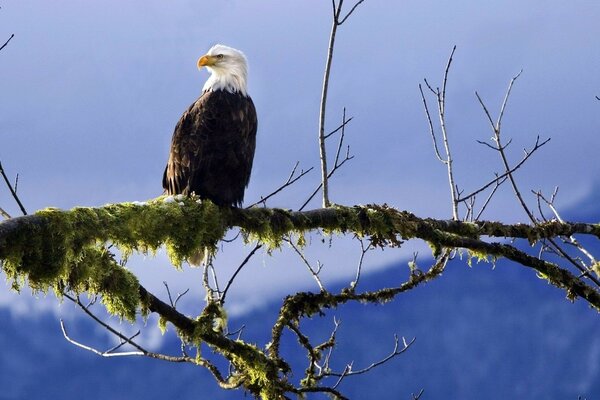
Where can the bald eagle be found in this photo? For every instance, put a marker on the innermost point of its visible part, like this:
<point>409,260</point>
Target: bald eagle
<point>213,144</point>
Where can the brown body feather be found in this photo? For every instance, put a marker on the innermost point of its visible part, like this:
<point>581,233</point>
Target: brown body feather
<point>213,148</point>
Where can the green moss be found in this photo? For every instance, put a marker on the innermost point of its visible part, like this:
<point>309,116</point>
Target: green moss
<point>162,324</point>
<point>479,257</point>
<point>66,250</point>
<point>267,226</point>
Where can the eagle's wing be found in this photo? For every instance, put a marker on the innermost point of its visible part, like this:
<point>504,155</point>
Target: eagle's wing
<point>213,148</point>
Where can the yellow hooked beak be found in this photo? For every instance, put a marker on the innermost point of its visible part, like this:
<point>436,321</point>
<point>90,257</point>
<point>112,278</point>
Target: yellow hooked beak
<point>206,60</point>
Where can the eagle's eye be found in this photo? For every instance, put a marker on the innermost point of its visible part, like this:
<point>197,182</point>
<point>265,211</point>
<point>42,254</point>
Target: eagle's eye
<point>219,56</point>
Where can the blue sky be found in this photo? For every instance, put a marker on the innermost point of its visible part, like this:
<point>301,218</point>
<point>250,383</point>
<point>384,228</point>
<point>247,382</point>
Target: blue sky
<point>91,92</point>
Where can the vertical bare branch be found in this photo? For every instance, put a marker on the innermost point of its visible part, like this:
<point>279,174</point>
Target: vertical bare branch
<point>337,9</point>
<point>322,148</point>
<point>442,115</point>
<point>447,160</point>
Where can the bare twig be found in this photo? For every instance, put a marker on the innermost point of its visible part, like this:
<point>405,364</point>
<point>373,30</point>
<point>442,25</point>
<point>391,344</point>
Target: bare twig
<point>9,39</point>
<point>348,370</point>
<point>340,22</point>
<point>571,239</point>
<point>107,353</point>
<point>363,251</point>
<point>4,214</point>
<point>237,271</point>
<point>290,181</point>
<point>313,272</point>
<point>489,198</point>
<point>124,339</point>
<point>338,165</point>
<point>431,129</point>
<point>179,295</point>
<point>342,125</point>
<point>502,177</point>
<point>12,190</point>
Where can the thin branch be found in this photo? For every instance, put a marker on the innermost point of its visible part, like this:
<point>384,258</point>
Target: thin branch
<point>290,181</point>
<point>349,12</point>
<point>4,213</point>
<point>107,353</point>
<point>342,125</point>
<point>397,351</point>
<point>504,176</point>
<point>123,342</point>
<point>315,274</point>
<point>571,238</point>
<point>179,295</point>
<point>364,251</point>
<point>12,191</point>
<point>505,101</point>
<point>337,166</point>
<point>489,198</point>
<point>237,271</point>
<point>337,162</point>
<point>168,293</point>
<point>129,340</point>
<point>5,43</point>
<point>314,193</point>
<point>16,186</point>
<point>431,130</point>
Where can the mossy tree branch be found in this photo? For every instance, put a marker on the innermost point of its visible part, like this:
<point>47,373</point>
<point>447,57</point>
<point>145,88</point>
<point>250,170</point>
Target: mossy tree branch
<point>54,248</point>
<point>66,251</point>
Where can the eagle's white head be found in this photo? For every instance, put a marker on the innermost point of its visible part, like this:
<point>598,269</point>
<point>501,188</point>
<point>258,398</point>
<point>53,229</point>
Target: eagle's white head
<point>228,68</point>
